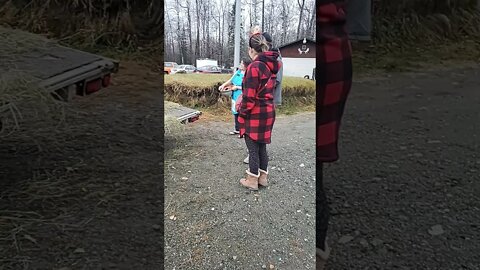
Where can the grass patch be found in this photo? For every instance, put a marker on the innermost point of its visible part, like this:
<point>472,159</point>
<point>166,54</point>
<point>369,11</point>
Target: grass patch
<point>201,91</point>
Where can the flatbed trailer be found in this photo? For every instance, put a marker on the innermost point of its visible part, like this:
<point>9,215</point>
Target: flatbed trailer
<point>66,71</point>
<point>181,113</point>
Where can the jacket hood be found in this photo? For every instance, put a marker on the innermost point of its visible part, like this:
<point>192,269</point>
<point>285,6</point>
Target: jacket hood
<point>270,59</point>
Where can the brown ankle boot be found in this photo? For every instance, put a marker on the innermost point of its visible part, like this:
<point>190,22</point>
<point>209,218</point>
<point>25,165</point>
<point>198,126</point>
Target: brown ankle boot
<point>262,180</point>
<point>322,257</point>
<point>251,182</point>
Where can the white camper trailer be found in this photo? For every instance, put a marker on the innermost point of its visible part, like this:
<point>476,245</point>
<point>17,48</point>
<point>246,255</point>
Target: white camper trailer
<point>206,62</point>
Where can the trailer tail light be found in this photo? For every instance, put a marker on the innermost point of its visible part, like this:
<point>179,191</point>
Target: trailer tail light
<point>106,80</point>
<point>93,86</point>
<point>193,119</point>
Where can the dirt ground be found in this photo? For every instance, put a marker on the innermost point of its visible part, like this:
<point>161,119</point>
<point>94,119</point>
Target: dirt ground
<point>211,222</point>
<point>88,194</point>
<point>405,193</point>
<point>403,196</point>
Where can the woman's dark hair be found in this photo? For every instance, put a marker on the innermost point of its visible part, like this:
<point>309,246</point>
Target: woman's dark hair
<point>246,62</point>
<point>258,43</point>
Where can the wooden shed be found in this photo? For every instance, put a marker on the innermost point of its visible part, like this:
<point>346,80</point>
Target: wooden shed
<point>299,58</point>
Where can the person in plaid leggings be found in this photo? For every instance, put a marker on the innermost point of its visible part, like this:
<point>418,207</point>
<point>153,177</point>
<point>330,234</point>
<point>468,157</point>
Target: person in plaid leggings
<point>257,109</point>
<point>334,80</point>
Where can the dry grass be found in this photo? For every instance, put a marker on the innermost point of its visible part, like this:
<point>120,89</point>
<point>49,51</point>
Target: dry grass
<point>201,90</point>
<point>172,126</point>
<point>409,35</point>
<point>21,99</point>
<point>422,7</point>
<point>16,41</point>
<point>413,29</point>
<point>87,23</point>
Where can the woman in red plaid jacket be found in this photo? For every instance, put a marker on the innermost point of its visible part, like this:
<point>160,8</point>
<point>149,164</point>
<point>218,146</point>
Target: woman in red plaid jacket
<point>257,110</point>
<point>334,80</point>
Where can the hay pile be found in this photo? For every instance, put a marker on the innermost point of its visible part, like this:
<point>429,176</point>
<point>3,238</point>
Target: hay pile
<point>201,90</point>
<point>172,126</point>
<point>22,101</point>
<point>15,43</point>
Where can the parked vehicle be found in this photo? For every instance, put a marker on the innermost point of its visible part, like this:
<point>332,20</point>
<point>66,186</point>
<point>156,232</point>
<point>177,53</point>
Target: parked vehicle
<point>206,62</point>
<point>183,69</point>
<point>209,70</point>
<point>168,66</point>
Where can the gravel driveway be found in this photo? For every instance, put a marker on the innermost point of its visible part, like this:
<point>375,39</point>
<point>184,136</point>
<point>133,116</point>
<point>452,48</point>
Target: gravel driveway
<point>211,222</point>
<point>405,194</point>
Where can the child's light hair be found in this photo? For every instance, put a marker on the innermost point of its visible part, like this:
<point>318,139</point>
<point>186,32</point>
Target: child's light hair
<point>256,30</point>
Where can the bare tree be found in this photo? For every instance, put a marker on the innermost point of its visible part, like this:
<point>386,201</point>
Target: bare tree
<point>284,19</point>
<point>301,6</point>
<point>204,28</point>
<point>197,41</point>
<point>189,26</point>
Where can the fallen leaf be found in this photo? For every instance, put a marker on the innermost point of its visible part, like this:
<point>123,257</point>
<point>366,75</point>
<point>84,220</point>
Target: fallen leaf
<point>79,250</point>
<point>345,239</point>
<point>436,230</point>
<point>377,242</point>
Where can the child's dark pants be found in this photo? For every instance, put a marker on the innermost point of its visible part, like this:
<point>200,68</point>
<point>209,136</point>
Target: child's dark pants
<point>237,124</point>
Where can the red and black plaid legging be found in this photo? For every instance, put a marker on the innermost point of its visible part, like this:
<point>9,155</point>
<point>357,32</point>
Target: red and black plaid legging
<point>334,80</point>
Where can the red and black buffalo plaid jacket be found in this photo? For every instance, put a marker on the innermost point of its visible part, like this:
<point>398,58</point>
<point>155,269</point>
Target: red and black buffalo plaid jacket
<point>334,76</point>
<point>257,111</point>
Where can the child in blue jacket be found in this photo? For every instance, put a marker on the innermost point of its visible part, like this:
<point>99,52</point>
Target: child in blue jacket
<point>235,84</point>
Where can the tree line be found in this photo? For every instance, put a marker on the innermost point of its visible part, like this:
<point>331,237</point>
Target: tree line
<point>205,28</point>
